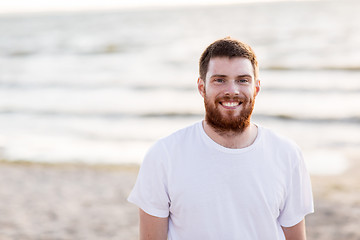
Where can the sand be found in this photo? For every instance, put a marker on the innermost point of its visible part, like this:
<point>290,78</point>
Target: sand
<point>337,204</point>
<point>69,201</point>
<point>66,202</point>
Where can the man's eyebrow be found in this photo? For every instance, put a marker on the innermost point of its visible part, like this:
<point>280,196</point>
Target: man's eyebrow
<point>244,76</point>
<point>218,75</point>
<point>239,76</point>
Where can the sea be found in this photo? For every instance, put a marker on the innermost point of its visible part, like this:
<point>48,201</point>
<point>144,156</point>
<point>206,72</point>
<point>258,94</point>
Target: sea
<point>100,87</point>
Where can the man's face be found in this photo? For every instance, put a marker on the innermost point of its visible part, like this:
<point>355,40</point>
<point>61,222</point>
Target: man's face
<point>229,92</point>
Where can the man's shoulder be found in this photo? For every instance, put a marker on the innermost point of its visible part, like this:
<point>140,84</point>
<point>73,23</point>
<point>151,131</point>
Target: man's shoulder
<point>184,132</point>
<point>177,142</point>
<point>180,136</point>
<point>283,149</point>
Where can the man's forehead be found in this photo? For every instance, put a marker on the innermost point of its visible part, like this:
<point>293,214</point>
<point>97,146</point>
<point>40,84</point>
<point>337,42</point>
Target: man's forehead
<point>230,66</point>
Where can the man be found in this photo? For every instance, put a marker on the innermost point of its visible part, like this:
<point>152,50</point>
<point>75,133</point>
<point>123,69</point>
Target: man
<point>225,177</point>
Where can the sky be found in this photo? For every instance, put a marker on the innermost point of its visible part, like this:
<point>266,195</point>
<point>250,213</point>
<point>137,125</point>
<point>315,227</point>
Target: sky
<point>20,6</point>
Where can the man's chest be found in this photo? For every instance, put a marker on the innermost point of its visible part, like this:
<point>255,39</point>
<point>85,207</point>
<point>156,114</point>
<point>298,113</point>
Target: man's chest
<point>246,186</point>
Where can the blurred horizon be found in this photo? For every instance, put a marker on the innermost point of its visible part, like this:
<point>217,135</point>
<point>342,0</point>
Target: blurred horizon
<point>44,6</point>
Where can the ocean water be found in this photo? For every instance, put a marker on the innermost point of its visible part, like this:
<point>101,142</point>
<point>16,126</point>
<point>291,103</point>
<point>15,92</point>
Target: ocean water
<point>101,87</point>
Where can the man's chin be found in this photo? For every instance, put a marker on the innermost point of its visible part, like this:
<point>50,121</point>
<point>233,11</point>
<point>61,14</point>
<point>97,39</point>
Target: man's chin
<point>227,124</point>
<point>225,120</point>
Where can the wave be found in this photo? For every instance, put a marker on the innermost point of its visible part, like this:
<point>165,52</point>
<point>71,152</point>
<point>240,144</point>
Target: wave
<point>320,120</point>
<point>312,68</point>
<point>111,49</point>
<point>70,85</point>
<point>147,88</point>
<point>181,115</point>
<point>311,90</point>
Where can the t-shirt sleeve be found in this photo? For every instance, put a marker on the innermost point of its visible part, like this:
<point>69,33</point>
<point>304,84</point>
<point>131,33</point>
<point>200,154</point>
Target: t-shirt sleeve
<point>150,192</point>
<point>299,199</point>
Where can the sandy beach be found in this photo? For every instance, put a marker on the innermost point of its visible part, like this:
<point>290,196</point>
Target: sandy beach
<point>43,202</point>
<point>70,201</point>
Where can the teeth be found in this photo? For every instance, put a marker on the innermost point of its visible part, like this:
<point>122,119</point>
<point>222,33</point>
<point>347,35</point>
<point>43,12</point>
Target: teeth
<point>230,104</point>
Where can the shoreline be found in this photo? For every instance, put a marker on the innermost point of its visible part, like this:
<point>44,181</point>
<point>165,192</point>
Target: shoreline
<point>131,167</point>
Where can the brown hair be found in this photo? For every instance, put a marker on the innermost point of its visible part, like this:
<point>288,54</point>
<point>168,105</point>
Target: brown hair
<point>227,47</point>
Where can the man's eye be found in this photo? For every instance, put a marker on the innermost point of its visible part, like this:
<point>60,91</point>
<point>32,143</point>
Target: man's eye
<point>219,80</point>
<point>243,80</point>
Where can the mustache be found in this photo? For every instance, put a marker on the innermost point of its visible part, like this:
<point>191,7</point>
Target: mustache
<point>230,98</point>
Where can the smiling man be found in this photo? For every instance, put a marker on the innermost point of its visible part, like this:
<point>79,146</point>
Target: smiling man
<point>224,177</point>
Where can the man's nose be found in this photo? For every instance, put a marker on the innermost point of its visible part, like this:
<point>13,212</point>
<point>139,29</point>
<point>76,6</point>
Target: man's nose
<point>232,89</point>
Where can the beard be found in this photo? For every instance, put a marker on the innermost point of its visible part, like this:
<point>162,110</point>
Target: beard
<point>224,123</point>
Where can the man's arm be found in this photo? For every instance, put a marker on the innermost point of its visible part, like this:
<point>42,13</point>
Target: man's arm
<point>153,228</point>
<point>296,232</point>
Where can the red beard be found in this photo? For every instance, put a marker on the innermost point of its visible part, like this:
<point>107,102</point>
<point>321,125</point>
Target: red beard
<point>225,123</point>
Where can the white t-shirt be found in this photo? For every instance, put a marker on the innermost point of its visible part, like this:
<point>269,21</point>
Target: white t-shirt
<point>212,192</point>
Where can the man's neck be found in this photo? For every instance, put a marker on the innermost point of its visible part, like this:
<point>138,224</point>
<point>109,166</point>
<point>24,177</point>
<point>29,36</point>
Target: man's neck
<point>232,139</point>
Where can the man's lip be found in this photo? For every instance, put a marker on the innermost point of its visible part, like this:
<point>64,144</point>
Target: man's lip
<point>230,104</point>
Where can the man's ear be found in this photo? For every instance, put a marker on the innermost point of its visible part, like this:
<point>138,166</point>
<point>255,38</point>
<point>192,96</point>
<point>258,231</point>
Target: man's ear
<point>257,87</point>
<point>201,86</point>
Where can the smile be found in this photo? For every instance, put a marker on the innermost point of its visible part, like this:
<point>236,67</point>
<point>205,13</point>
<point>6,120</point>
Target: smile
<point>230,105</point>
